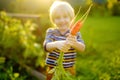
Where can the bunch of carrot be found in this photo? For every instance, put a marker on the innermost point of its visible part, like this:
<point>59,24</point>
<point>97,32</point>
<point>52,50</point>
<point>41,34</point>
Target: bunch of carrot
<point>77,26</point>
<point>59,71</point>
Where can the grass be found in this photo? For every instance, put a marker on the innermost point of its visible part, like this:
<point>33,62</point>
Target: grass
<point>101,30</point>
<point>101,59</point>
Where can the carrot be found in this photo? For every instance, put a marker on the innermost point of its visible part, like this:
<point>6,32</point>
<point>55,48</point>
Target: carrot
<point>76,27</point>
<point>73,20</point>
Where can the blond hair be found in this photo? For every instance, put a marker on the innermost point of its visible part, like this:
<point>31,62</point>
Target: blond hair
<point>65,6</point>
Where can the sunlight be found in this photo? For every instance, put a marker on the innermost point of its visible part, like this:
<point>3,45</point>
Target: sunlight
<point>36,5</point>
<point>44,2</point>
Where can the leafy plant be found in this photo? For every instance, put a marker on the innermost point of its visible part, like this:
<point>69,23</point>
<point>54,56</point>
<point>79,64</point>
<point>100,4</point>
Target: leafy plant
<point>59,71</point>
<point>18,42</point>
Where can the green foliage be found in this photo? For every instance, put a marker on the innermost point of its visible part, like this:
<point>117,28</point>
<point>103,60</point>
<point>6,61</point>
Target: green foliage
<point>59,71</point>
<point>18,39</point>
<point>7,72</point>
<point>2,60</point>
<point>18,42</point>
<point>116,9</point>
<point>10,70</point>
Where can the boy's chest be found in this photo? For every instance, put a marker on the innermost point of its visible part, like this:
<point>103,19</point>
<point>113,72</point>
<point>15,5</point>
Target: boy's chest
<point>56,36</point>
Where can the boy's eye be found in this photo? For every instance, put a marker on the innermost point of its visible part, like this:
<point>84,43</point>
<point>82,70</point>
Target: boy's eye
<point>57,17</point>
<point>65,16</point>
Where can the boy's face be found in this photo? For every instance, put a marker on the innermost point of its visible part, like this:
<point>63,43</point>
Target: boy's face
<point>62,19</point>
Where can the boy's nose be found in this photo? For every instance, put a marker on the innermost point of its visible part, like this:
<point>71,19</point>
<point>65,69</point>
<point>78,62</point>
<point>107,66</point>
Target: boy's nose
<point>62,19</point>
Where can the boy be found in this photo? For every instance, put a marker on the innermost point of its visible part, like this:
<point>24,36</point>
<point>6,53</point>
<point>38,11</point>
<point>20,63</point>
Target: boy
<point>59,38</point>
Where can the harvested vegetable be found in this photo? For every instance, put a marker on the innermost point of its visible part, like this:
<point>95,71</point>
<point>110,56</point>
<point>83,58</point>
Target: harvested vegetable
<point>77,26</point>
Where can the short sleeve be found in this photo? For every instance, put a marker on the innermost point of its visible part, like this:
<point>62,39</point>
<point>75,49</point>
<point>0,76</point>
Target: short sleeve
<point>48,37</point>
<point>79,37</point>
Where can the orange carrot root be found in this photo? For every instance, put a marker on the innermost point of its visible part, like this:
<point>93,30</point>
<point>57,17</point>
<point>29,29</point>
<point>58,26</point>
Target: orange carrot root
<point>76,27</point>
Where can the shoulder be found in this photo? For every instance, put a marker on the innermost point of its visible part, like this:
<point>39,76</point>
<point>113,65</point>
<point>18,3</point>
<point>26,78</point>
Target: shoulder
<point>52,31</point>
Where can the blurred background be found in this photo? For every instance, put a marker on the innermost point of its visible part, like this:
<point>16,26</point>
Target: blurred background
<point>22,31</point>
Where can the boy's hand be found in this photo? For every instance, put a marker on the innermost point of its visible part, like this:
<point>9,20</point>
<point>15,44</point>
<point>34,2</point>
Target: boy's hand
<point>71,40</point>
<point>62,46</point>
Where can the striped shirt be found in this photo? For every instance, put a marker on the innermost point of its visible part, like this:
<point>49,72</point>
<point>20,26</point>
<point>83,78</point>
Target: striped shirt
<point>69,57</point>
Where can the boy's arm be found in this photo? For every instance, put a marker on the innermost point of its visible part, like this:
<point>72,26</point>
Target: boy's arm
<point>77,44</point>
<point>50,46</point>
<point>61,45</point>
